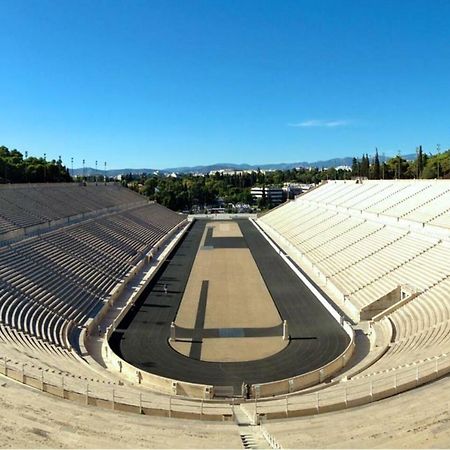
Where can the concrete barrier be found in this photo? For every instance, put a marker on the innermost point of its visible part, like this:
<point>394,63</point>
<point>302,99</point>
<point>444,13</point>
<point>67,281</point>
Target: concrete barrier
<point>155,382</point>
<point>90,397</point>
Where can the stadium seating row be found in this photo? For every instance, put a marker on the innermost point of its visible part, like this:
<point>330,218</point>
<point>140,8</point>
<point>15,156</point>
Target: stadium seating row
<point>417,200</point>
<point>52,282</point>
<point>366,256</point>
<point>23,206</point>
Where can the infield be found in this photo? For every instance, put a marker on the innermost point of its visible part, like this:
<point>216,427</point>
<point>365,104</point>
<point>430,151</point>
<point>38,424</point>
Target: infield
<point>226,291</point>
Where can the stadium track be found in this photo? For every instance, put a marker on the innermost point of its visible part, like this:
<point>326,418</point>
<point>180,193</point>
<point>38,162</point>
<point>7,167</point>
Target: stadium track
<point>142,336</point>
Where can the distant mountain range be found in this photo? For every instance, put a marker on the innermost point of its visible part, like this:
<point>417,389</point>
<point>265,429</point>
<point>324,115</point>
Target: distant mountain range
<point>335,162</point>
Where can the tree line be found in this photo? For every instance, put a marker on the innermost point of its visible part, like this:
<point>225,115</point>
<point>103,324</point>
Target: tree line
<point>15,168</point>
<point>185,191</point>
<point>423,166</point>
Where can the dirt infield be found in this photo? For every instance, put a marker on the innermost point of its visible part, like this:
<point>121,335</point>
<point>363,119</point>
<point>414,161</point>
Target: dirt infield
<point>236,298</point>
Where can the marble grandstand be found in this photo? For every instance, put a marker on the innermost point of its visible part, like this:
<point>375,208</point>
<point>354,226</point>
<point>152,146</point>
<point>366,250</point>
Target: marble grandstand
<point>381,251</point>
<point>378,249</point>
<point>69,248</point>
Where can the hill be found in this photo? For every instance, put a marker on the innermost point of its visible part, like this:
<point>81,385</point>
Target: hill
<point>335,162</point>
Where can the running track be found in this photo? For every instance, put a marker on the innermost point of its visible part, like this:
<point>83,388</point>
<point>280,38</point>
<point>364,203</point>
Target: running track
<point>142,337</point>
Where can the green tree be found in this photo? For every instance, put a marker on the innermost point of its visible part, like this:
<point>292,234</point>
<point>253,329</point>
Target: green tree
<point>355,167</point>
<point>15,169</point>
<point>420,162</point>
<point>376,169</point>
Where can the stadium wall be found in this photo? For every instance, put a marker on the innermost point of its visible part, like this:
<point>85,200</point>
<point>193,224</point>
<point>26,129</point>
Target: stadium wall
<point>89,396</point>
<point>221,216</point>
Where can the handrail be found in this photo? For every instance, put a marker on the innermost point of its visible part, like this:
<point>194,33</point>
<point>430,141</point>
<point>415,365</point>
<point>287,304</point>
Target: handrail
<point>344,395</point>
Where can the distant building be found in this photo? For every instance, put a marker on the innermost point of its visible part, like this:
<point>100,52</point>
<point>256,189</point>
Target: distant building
<point>242,208</point>
<point>273,195</point>
<point>237,171</point>
<point>294,189</point>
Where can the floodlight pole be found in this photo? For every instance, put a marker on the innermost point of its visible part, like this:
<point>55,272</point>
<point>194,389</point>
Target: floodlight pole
<point>26,157</point>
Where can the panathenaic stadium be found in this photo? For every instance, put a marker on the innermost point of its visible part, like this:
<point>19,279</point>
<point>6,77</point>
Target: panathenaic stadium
<point>323,323</point>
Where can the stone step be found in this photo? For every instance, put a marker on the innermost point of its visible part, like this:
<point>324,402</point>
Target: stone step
<point>252,437</point>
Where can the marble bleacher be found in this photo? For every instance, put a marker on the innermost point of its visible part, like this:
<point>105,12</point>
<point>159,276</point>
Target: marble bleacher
<point>366,255</point>
<point>24,206</point>
<point>62,278</point>
<point>332,226</point>
<point>345,229</point>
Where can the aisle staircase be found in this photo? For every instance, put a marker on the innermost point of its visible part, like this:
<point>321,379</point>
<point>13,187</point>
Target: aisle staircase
<point>252,435</point>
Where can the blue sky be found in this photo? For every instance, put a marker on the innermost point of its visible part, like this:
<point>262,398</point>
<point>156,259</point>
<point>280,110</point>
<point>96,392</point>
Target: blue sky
<point>170,83</point>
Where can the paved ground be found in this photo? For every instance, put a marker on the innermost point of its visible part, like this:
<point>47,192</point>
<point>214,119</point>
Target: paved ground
<point>415,419</point>
<point>142,337</point>
<point>31,419</point>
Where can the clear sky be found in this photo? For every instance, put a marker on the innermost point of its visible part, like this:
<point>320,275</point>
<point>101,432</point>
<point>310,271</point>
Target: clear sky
<point>169,83</point>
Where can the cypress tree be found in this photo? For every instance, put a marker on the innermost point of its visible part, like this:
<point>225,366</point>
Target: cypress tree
<point>376,166</point>
<point>420,162</point>
<point>365,165</point>
<point>355,167</point>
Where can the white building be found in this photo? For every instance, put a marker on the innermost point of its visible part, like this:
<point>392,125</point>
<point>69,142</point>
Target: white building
<point>273,194</point>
